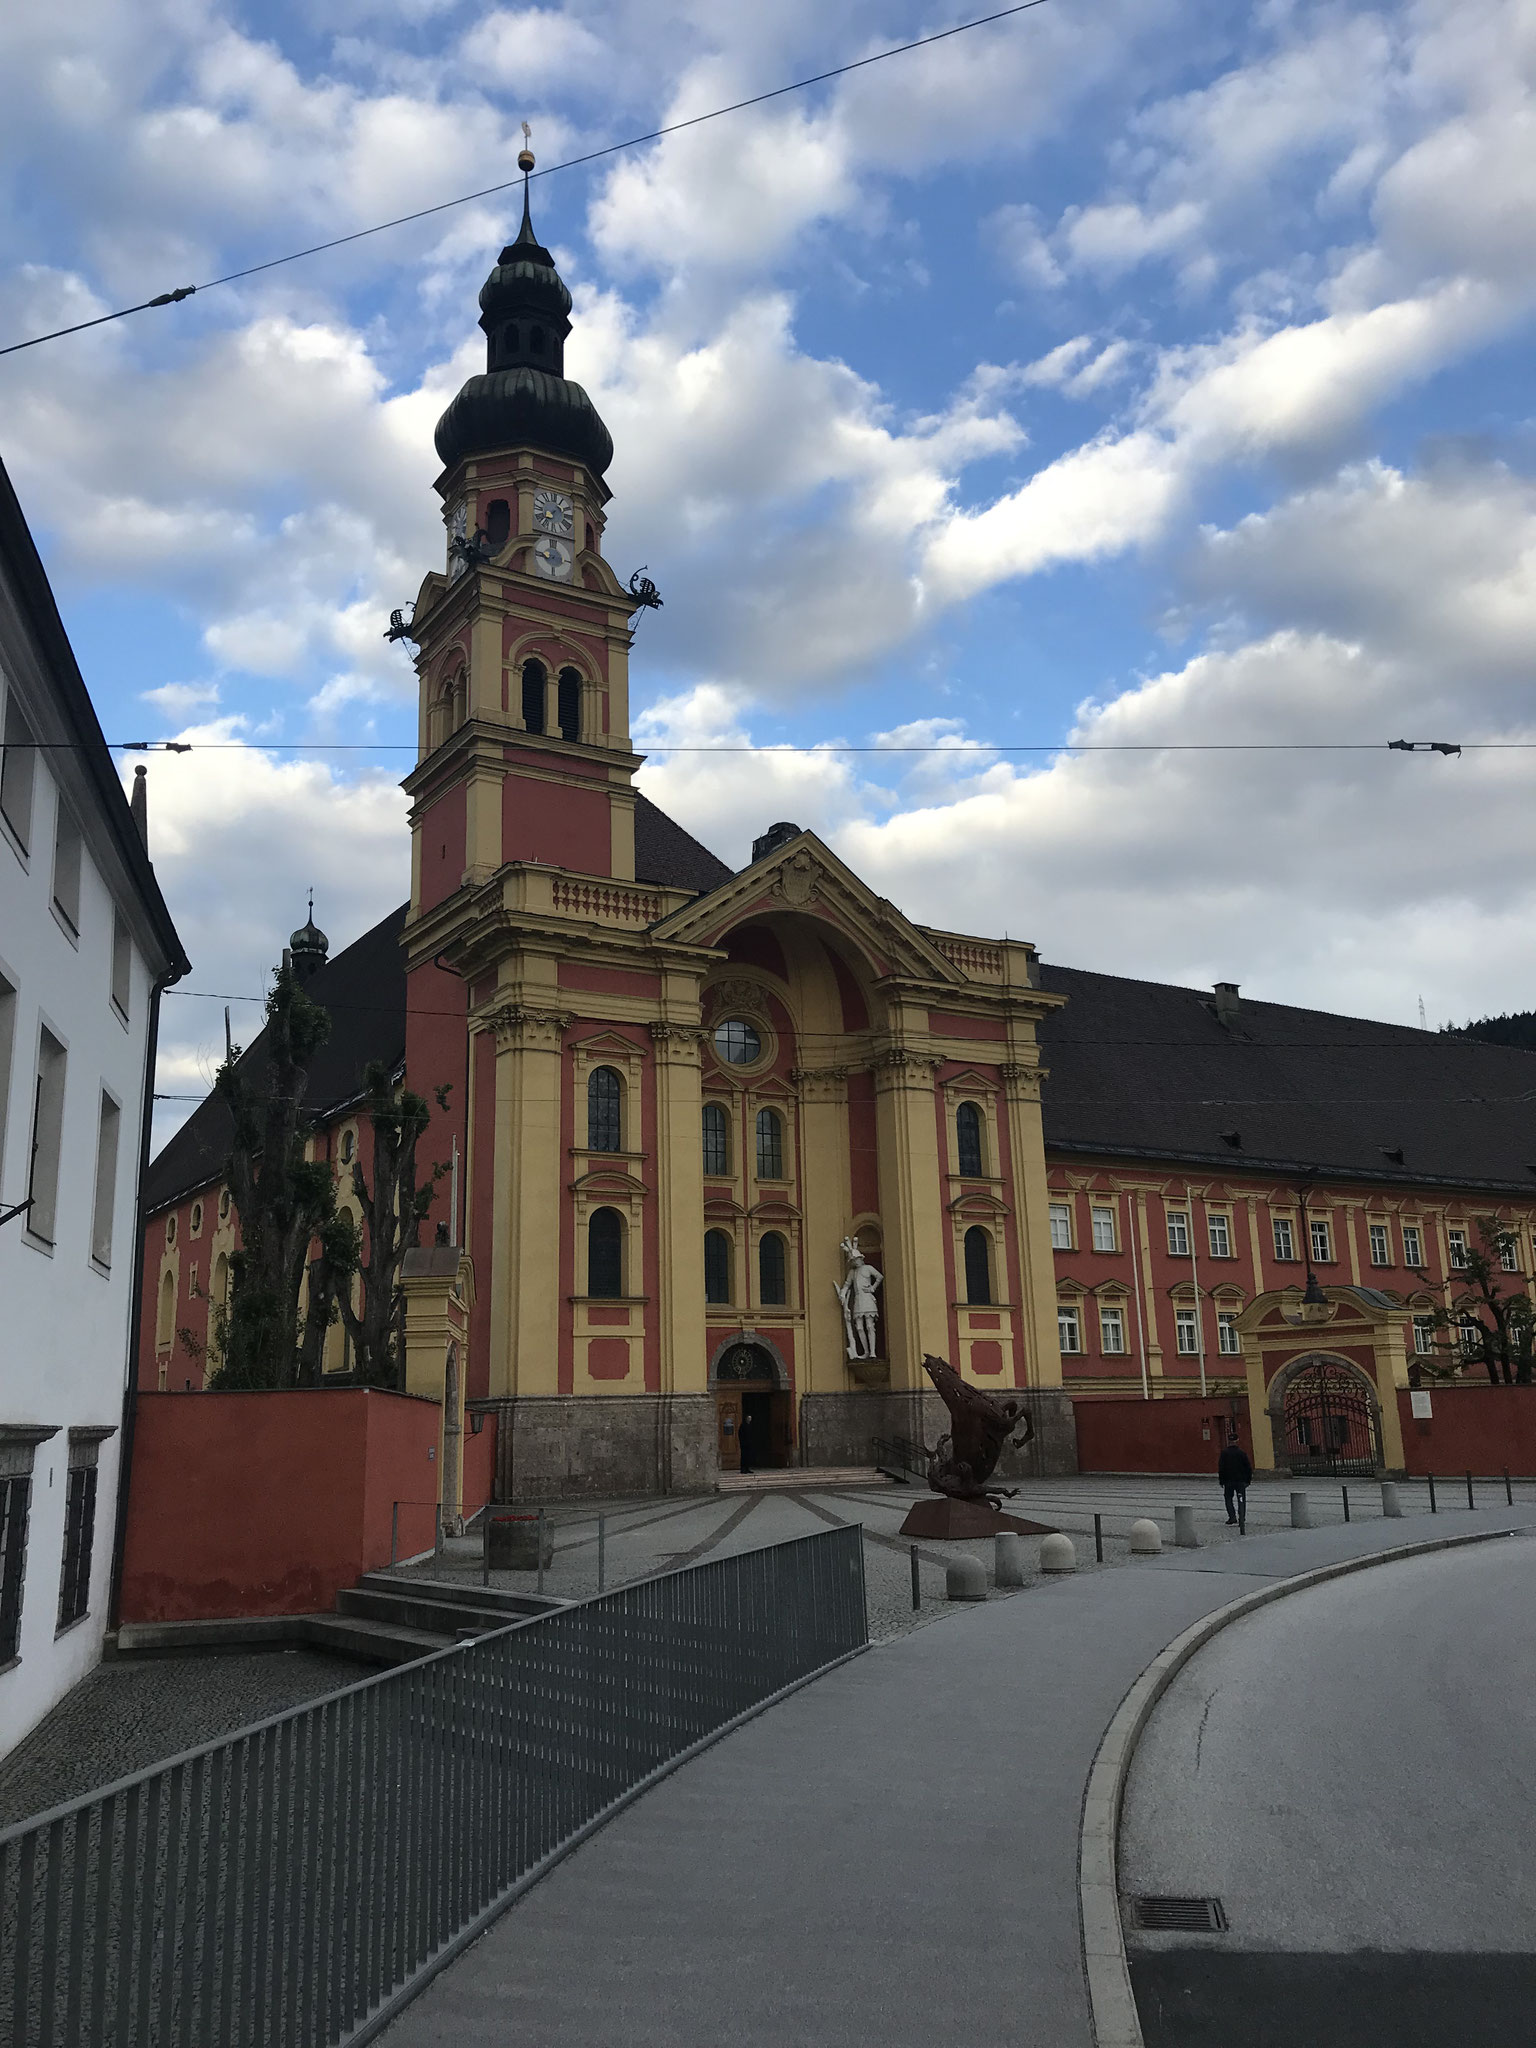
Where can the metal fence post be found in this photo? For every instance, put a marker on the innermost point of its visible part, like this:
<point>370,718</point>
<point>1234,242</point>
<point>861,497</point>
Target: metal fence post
<point>1098,1538</point>
<point>601,1534</point>
<point>394,1532</point>
<point>1471,1503</point>
<point>1345,1491</point>
<point>538,1538</point>
<point>1432,1508</point>
<point>437,1529</point>
<point>485,1548</point>
<point>1509,1491</point>
<point>917,1582</point>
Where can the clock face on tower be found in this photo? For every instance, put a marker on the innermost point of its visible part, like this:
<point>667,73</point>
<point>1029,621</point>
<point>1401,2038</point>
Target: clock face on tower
<point>553,512</point>
<point>553,558</point>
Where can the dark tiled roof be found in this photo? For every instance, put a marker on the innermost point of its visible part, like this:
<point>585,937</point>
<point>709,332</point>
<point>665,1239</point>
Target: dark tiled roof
<point>665,853</point>
<point>363,987</point>
<point>1142,1069</point>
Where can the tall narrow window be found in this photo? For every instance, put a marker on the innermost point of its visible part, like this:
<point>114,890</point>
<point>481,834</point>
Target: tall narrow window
<point>1455,1239</point>
<point>717,1266</point>
<point>1187,1330</point>
<point>47,1136</point>
<point>1285,1237</point>
<point>1381,1244</point>
<point>1219,1230</point>
<point>1178,1233</point>
<point>605,1254</point>
<point>717,1157</point>
<point>79,1532</point>
<point>18,763</point>
<point>568,704</point>
<point>498,524</point>
<point>770,1145</point>
<point>1061,1226</point>
<point>7,1048</point>
<point>106,1181</point>
<point>968,1139</point>
<point>15,1505</point>
<point>1103,1220</point>
<point>772,1270</point>
<point>605,1094</point>
<point>1321,1240</point>
<point>1112,1331</point>
<point>1413,1245</point>
<point>122,963</point>
<point>1227,1337</point>
<point>66,868</point>
<point>533,696</point>
<point>978,1265</point>
<point>1069,1329</point>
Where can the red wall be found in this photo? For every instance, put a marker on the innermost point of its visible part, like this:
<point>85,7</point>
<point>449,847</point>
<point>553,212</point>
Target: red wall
<point>1473,1429</point>
<point>1154,1436</point>
<point>269,1503</point>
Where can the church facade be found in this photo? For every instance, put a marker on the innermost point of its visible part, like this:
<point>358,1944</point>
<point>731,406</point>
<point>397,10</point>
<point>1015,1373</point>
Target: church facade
<point>733,1150</point>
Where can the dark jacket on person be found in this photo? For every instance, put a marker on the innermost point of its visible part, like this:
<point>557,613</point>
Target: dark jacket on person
<point>1233,1468</point>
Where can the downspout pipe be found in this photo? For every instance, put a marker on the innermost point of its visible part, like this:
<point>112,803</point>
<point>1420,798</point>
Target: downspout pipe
<point>136,1311</point>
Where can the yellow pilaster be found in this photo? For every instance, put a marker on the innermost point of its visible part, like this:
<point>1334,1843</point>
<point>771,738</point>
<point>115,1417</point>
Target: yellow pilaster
<point>525,1297</point>
<point>911,1218</point>
<point>679,1208</point>
<point>1148,1291</point>
<point>826,1201</point>
<point>1032,1218</point>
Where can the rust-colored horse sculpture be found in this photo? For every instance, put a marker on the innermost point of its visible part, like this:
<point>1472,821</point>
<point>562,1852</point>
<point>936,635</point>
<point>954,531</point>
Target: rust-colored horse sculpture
<point>982,1425</point>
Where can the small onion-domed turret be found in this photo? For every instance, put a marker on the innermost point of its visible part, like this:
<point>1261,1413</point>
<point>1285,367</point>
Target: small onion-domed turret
<point>524,395</point>
<point>308,946</point>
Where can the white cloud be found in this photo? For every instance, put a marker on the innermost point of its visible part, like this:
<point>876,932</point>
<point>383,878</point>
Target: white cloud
<point>1112,239</point>
<point>181,698</point>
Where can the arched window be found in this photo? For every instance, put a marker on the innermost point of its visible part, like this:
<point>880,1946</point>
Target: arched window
<point>772,1270</point>
<point>968,1139</point>
<point>717,1152</point>
<point>978,1266</point>
<point>498,524</point>
<point>536,341</point>
<point>568,703</point>
<point>605,1097</point>
<point>533,696</point>
<point>165,1322</point>
<point>717,1266</point>
<point>605,1254</point>
<point>770,1145</point>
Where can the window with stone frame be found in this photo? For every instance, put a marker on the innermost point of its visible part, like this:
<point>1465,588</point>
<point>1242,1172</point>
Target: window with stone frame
<point>770,1145</point>
<point>1423,1334</point>
<point>533,696</point>
<point>79,1531</point>
<point>1456,1242</point>
<point>1218,1229</point>
<point>605,1111</point>
<point>1320,1236</point>
<point>605,1254</point>
<point>968,1152</point>
<point>1069,1329</point>
<point>15,1514</point>
<point>1178,1233</point>
<point>1284,1232</point>
<point>1102,1220</point>
<point>1112,1331</point>
<point>1187,1331</point>
<point>1227,1339</point>
<point>978,1266</point>
<point>717,1266</point>
<point>772,1270</point>
<point>1061,1226</point>
<point>568,703</point>
<point>1413,1245</point>
<point>1379,1237</point>
<point>717,1139</point>
<point>1509,1250</point>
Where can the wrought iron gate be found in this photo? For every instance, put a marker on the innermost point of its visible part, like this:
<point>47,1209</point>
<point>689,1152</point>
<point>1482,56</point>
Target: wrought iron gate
<point>1331,1424</point>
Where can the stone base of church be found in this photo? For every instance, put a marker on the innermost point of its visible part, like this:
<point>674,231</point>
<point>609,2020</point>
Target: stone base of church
<point>569,1447</point>
<point>838,1429</point>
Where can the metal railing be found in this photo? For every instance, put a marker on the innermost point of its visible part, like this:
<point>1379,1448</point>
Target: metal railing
<point>900,1457</point>
<point>296,1884</point>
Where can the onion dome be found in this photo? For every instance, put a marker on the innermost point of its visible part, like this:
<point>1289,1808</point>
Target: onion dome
<point>308,947</point>
<point>524,395</point>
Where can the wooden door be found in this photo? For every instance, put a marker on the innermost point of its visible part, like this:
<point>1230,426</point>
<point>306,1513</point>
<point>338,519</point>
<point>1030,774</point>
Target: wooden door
<point>728,1420</point>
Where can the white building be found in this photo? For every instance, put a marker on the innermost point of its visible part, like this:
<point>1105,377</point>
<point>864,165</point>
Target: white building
<point>86,946</point>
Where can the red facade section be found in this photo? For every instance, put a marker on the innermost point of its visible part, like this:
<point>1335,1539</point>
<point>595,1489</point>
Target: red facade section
<point>442,847</point>
<point>557,825</point>
<point>1157,1436</point>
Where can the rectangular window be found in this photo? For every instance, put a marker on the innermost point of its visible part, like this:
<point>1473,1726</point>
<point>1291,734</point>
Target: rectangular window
<point>1285,1237</point>
<point>1472,1338</point>
<point>1188,1328</point>
<point>1423,1334</point>
<point>47,1136</point>
<point>122,963</point>
<point>15,1505</point>
<point>7,1047</point>
<point>66,868</point>
<point>18,762</point>
<point>1457,1240</point>
<point>1069,1330</point>
<point>1413,1245</point>
<point>1381,1245</point>
<point>1219,1230</point>
<point>1112,1331</point>
<point>1103,1229</point>
<point>1509,1251</point>
<point>79,1532</point>
<point>1178,1233</point>
<point>1321,1235</point>
<point>106,1181</point>
<point>1227,1339</point>
<point>1061,1226</point>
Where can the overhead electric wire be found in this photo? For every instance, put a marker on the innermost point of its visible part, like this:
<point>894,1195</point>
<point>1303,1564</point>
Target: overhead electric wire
<point>813,747</point>
<point>187,291</point>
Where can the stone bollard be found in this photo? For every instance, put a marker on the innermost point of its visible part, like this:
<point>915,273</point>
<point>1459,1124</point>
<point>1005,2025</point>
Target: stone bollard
<point>1146,1539</point>
<point>1057,1554</point>
<point>965,1579</point>
<point>1184,1529</point>
<point>1301,1511</point>
<point>1009,1569</point>
<point>1391,1501</point>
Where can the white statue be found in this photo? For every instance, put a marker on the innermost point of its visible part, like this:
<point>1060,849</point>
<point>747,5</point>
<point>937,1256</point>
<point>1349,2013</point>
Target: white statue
<point>861,1310</point>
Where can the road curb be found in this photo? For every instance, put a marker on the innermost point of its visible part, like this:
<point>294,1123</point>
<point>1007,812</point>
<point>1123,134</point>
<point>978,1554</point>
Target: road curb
<point>1111,2003</point>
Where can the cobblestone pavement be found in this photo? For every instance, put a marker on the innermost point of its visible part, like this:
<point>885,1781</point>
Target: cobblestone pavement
<point>129,1714</point>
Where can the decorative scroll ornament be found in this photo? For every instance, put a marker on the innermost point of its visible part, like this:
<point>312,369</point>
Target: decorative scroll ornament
<point>737,993</point>
<point>515,1025</point>
<point>798,880</point>
<point>858,1296</point>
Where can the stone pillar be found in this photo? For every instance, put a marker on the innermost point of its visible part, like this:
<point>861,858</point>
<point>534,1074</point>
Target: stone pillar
<point>685,1433</point>
<point>438,1283</point>
<point>911,1212</point>
<point>826,1200</point>
<point>529,1211</point>
<point>1032,1219</point>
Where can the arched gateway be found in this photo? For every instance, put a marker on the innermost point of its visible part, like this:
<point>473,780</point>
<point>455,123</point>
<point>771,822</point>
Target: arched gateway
<point>1326,1418</point>
<point>752,1406</point>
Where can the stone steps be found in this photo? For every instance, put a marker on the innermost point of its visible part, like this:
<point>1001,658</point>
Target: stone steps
<point>800,1478</point>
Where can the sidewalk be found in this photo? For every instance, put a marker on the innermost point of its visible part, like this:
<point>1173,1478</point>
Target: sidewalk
<point>888,1856</point>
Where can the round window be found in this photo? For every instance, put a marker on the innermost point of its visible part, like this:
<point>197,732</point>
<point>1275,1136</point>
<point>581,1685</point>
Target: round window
<point>736,1042</point>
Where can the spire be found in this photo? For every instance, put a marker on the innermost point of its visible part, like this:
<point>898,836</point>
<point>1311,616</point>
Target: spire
<point>308,946</point>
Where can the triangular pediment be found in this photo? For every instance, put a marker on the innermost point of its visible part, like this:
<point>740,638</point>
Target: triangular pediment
<point>805,877</point>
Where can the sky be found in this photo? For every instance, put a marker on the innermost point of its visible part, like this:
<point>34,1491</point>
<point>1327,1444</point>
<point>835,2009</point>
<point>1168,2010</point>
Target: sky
<point>1136,376</point>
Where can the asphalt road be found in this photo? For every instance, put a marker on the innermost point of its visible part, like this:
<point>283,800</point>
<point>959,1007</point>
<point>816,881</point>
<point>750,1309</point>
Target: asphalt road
<point>1351,1772</point>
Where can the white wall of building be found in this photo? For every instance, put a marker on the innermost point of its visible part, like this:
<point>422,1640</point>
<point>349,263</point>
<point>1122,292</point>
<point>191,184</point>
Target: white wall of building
<point>65,1313</point>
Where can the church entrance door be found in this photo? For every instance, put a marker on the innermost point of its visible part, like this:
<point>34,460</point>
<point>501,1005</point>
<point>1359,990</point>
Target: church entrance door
<point>754,1418</point>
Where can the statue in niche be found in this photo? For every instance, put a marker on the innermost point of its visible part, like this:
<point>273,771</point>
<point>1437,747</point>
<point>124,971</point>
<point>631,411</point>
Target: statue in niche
<point>861,1308</point>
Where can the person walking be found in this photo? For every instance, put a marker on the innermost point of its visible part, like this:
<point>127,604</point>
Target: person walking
<point>1234,1472</point>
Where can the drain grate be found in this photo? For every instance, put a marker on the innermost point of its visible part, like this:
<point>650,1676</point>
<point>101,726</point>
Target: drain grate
<point>1180,1916</point>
